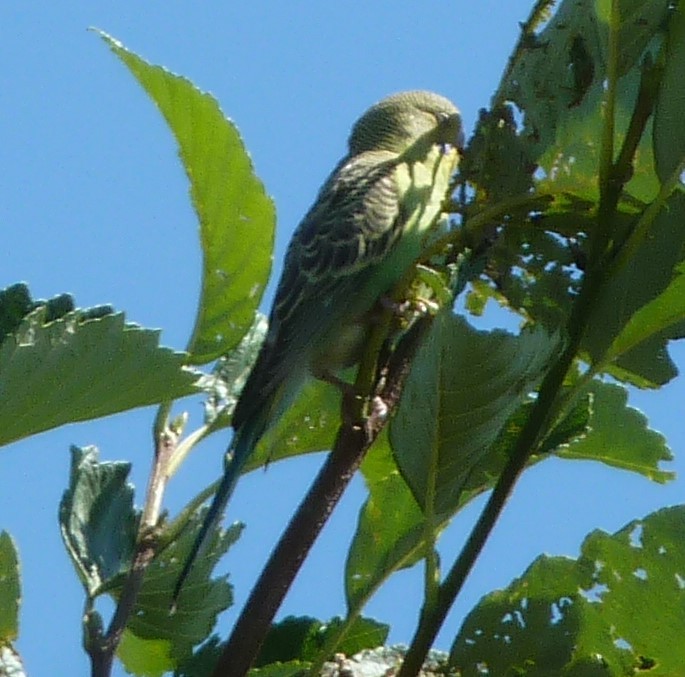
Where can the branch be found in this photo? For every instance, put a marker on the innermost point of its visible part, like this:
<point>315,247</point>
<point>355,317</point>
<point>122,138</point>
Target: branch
<point>357,433</point>
<point>541,417</point>
<point>102,648</point>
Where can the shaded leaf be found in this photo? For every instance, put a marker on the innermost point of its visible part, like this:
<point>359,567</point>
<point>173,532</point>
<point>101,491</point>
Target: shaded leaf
<point>75,369</point>
<point>392,531</point>
<point>97,519</point>
<point>224,385</point>
<point>365,633</point>
<point>301,638</point>
<point>10,591</point>
<point>637,285</point>
<point>309,425</point>
<point>669,131</point>
<point>203,660</point>
<point>619,436</point>
<point>289,669</point>
<point>200,601</point>
<point>654,318</point>
<point>463,386</point>
<point>16,303</point>
<point>236,216</point>
<point>616,610</point>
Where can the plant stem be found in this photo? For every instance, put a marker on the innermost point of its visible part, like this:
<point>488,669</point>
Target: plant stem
<point>357,433</point>
<point>433,615</point>
<point>103,648</point>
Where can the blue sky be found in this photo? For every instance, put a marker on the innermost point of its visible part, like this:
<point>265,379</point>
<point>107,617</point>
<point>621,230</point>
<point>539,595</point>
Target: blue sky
<point>93,201</point>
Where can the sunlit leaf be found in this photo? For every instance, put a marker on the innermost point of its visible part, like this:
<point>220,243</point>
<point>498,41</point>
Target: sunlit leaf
<point>76,368</point>
<point>616,610</point>
<point>237,218</point>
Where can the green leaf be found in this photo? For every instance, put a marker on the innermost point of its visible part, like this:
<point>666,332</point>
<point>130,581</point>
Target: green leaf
<point>309,425</point>
<point>145,657</point>
<point>97,519</point>
<point>618,609</point>
<point>289,669</point>
<point>224,385</point>
<point>301,638</point>
<point>619,436</point>
<point>199,603</point>
<point>392,531</point>
<point>365,633</point>
<point>638,21</point>
<point>293,638</point>
<point>75,369</point>
<point>16,303</point>
<point>639,285</point>
<point>558,82</point>
<point>669,131</point>
<point>654,317</point>
<point>463,386</point>
<point>10,591</point>
<point>237,218</point>
<point>203,660</point>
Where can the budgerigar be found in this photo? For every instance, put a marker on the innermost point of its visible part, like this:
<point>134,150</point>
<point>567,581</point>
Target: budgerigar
<point>364,231</point>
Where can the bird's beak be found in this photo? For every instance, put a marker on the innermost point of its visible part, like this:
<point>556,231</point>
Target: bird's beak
<point>451,131</point>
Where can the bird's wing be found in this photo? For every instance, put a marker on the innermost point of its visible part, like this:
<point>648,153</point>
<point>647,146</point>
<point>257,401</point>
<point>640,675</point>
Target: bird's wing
<point>352,225</point>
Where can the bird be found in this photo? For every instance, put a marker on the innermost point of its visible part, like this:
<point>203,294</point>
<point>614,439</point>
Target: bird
<point>352,246</point>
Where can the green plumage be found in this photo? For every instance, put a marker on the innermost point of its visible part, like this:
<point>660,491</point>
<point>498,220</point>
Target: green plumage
<point>359,238</point>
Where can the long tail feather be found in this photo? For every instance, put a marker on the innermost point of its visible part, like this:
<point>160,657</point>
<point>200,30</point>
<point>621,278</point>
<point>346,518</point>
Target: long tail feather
<point>241,448</point>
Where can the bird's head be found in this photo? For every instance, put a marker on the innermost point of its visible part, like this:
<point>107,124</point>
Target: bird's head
<point>398,121</point>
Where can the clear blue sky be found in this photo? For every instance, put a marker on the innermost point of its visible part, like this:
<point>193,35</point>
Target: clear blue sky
<point>94,202</point>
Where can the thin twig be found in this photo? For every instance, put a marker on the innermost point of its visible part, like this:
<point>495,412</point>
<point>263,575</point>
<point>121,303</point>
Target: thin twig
<point>102,648</point>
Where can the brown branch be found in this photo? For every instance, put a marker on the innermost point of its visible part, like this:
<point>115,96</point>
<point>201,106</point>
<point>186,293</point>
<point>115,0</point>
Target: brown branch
<point>356,434</point>
<point>101,648</point>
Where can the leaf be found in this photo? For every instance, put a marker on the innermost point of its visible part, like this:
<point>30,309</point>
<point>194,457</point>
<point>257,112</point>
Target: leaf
<point>392,531</point>
<point>654,317</point>
<point>638,285</point>
<point>146,657</point>
<point>237,218</point>
<point>75,369</point>
<point>97,519</point>
<point>224,385</point>
<point>618,609</point>
<point>203,660</point>
<point>669,135</point>
<point>463,386</point>
<point>301,638</point>
<point>309,425</point>
<point>199,603</point>
<point>365,633</point>
<point>289,669</point>
<point>293,638</point>
<point>10,591</point>
<point>619,436</point>
<point>16,304</point>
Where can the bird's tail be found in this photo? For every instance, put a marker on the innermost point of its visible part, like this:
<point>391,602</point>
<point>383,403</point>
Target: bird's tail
<point>238,453</point>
